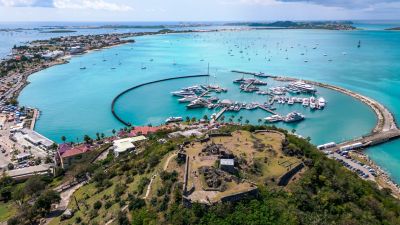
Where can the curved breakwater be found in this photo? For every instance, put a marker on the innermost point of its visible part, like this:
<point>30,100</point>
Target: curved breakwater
<point>141,85</point>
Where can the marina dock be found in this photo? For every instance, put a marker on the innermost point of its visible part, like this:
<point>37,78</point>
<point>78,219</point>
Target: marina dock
<point>386,128</point>
<point>219,114</point>
<point>268,110</point>
<point>204,93</point>
<point>34,118</point>
<point>251,73</point>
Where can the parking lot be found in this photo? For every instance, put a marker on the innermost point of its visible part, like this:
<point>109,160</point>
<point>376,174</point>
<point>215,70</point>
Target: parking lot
<point>364,171</point>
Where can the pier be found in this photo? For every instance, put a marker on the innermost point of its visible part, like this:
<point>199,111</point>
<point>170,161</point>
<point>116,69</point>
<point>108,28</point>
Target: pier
<point>114,101</point>
<point>34,118</point>
<point>204,93</point>
<point>219,114</point>
<point>266,109</point>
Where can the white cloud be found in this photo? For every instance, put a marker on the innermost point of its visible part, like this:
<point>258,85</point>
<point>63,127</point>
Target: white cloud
<point>67,4</point>
<point>16,3</point>
<point>90,4</point>
<point>249,2</point>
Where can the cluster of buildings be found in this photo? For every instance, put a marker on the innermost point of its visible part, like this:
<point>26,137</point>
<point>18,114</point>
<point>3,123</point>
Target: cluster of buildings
<point>125,142</point>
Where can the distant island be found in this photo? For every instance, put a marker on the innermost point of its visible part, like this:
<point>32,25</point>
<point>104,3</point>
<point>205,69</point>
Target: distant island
<point>393,28</point>
<point>58,31</point>
<point>328,25</point>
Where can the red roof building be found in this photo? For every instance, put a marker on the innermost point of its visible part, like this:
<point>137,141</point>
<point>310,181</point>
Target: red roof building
<point>72,154</point>
<point>143,130</point>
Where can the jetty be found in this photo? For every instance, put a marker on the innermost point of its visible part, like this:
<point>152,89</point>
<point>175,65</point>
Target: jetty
<point>251,73</point>
<point>386,128</point>
<point>114,101</point>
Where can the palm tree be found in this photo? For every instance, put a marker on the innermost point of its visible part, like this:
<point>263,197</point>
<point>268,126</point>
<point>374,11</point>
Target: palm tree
<point>87,139</point>
<point>63,139</point>
<point>98,136</point>
<point>293,131</point>
<point>194,119</point>
<point>247,122</point>
<point>102,135</point>
<point>259,121</point>
<point>113,131</point>
<point>239,120</point>
<point>205,117</point>
<point>187,119</point>
<point>230,120</point>
<point>222,118</point>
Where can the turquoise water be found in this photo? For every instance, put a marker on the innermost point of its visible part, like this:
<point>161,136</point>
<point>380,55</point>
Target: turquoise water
<point>75,102</point>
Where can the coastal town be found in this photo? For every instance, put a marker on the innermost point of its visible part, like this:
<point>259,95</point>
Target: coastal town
<point>215,161</point>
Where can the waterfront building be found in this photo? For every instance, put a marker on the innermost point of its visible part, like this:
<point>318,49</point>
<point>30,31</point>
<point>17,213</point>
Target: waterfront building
<point>37,139</point>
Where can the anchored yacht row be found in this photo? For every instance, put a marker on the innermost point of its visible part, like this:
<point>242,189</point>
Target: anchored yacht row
<point>311,102</point>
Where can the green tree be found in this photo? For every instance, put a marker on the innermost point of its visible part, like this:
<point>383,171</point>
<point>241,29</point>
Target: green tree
<point>87,139</point>
<point>34,185</point>
<point>45,200</point>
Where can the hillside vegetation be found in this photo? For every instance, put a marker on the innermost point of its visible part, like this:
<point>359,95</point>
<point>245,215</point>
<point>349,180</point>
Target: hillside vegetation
<point>326,193</point>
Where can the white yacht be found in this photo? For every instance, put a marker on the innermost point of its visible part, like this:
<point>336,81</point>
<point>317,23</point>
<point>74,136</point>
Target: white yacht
<point>274,118</point>
<point>306,102</point>
<point>183,93</point>
<point>173,119</point>
<point>294,117</point>
<point>303,86</point>
<point>188,98</point>
<point>321,102</point>
<point>313,104</point>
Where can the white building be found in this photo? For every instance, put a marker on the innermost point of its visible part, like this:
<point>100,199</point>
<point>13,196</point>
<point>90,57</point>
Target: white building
<point>37,139</point>
<point>127,144</point>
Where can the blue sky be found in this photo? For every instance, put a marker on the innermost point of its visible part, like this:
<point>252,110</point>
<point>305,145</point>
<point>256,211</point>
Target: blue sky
<point>196,10</point>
